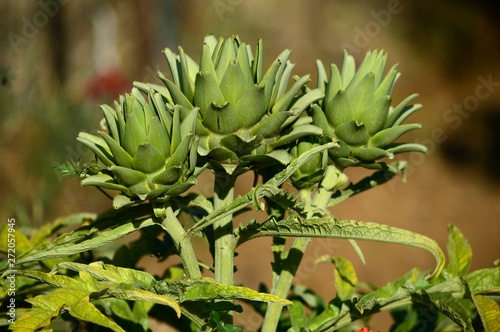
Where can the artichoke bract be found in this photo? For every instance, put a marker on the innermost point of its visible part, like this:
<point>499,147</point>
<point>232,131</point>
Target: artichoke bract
<point>245,115</point>
<point>356,112</point>
<point>150,153</point>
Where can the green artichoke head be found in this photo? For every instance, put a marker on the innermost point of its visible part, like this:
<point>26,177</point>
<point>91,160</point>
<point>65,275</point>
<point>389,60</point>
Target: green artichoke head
<point>149,152</point>
<point>245,114</point>
<point>356,112</point>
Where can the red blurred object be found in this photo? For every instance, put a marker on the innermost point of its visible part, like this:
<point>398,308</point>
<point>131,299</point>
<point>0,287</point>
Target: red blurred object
<point>365,329</point>
<point>108,83</point>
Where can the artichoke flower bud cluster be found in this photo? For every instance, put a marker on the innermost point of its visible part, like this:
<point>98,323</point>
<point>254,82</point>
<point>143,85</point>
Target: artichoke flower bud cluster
<point>356,112</point>
<point>149,152</point>
<point>246,115</point>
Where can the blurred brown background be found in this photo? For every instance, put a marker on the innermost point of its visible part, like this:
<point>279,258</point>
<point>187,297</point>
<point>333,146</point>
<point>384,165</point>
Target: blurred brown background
<point>67,57</point>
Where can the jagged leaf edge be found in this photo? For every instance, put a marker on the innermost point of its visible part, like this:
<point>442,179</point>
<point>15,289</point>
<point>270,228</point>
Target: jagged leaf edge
<point>331,227</point>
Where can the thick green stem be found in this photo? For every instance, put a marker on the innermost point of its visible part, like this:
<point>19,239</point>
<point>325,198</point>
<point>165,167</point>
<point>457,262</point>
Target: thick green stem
<point>299,246</point>
<point>223,230</point>
<point>173,227</point>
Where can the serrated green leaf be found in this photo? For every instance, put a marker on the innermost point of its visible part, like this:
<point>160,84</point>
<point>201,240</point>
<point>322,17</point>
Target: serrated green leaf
<point>22,243</point>
<point>480,280</point>
<point>130,318</point>
<point>331,227</point>
<point>111,273</point>
<point>450,306</point>
<point>76,302</point>
<point>489,311</point>
<point>210,290</point>
<point>43,233</point>
<point>69,248</point>
<point>74,295</point>
<point>459,252</point>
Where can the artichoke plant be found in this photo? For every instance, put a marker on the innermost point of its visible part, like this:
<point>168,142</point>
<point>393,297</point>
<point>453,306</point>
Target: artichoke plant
<point>356,112</point>
<point>245,116</point>
<point>150,153</point>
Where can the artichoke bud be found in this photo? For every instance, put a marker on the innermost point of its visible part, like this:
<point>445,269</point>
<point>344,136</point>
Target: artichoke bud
<point>356,111</point>
<point>312,172</point>
<point>147,148</point>
<point>242,107</point>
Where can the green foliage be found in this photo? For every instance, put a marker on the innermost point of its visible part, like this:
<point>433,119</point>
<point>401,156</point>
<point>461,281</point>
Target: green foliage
<point>415,301</point>
<point>228,115</point>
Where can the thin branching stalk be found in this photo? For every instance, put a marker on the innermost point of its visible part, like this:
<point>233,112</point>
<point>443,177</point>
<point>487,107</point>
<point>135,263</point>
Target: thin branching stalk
<point>299,246</point>
<point>174,228</point>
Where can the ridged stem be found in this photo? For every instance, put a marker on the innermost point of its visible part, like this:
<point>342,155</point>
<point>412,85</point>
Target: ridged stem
<point>174,228</point>
<point>223,232</point>
<point>299,246</point>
